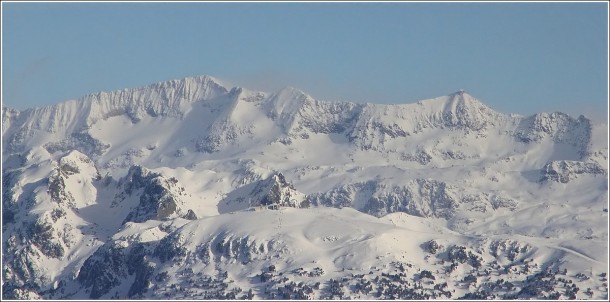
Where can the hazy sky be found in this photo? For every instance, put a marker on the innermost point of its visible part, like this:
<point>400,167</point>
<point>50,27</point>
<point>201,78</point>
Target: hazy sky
<point>515,57</point>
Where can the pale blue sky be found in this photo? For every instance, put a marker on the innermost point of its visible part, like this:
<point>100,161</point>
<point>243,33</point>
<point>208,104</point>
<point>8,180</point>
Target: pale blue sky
<point>516,57</point>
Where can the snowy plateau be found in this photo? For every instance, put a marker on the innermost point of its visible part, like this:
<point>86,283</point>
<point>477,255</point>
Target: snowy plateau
<point>191,189</point>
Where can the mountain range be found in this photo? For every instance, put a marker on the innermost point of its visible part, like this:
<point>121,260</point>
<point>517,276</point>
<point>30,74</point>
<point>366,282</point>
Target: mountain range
<point>190,189</point>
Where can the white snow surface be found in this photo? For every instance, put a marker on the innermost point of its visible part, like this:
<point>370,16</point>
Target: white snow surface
<point>284,179</point>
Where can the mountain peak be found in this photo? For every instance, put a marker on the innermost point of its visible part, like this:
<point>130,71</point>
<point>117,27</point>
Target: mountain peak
<point>186,87</point>
<point>293,92</point>
<point>198,80</point>
<point>459,100</point>
<point>460,92</point>
<point>459,180</point>
<point>463,96</point>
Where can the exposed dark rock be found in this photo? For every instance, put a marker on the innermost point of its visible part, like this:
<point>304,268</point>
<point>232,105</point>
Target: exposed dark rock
<point>103,270</point>
<point>432,246</point>
<point>159,198</point>
<point>559,127</point>
<point>190,215</point>
<point>563,171</point>
<point>81,141</point>
<point>272,192</point>
<point>40,233</point>
<point>419,197</point>
<point>169,247</point>
<point>57,188</point>
<point>143,271</point>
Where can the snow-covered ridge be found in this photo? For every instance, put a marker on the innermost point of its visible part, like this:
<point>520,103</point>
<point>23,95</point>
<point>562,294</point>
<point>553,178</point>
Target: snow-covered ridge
<point>170,98</point>
<point>236,112</point>
<point>191,189</point>
<point>164,98</point>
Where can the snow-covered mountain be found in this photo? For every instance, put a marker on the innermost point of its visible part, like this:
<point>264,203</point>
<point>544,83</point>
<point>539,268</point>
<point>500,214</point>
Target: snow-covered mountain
<point>192,189</point>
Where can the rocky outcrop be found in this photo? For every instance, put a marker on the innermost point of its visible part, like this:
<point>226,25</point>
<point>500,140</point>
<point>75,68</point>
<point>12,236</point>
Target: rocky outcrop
<point>564,171</point>
<point>426,198</point>
<point>21,275</point>
<point>419,197</point>
<point>274,191</point>
<point>559,127</point>
<point>111,264</point>
<point>81,141</point>
<point>159,197</point>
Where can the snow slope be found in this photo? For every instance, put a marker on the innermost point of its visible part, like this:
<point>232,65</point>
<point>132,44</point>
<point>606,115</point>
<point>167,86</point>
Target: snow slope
<point>193,190</point>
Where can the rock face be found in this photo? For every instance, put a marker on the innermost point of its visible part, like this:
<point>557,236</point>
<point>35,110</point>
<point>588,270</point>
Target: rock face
<point>50,224</point>
<point>300,115</point>
<point>564,171</point>
<point>191,169</point>
<point>44,229</point>
<point>103,270</point>
<point>558,126</point>
<point>273,192</point>
<point>419,197</point>
<point>80,141</point>
<point>111,263</point>
<point>159,196</point>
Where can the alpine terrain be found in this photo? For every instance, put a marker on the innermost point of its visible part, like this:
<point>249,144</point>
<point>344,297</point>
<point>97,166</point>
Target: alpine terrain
<point>190,189</point>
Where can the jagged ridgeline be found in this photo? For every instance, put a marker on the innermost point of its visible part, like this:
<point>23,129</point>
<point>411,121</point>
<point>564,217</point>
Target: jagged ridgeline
<point>191,189</point>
